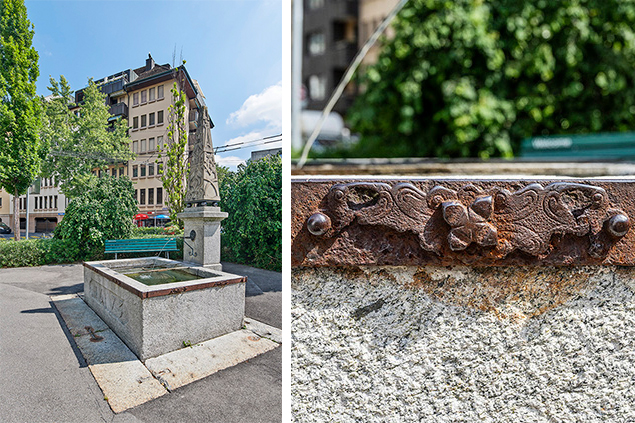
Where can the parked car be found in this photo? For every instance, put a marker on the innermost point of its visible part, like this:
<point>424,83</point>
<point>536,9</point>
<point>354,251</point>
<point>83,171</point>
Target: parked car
<point>4,229</point>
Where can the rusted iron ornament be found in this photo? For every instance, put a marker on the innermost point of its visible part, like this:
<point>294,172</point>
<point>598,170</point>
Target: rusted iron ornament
<point>478,222</point>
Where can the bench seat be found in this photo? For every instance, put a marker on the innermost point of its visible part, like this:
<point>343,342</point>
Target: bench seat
<point>114,246</point>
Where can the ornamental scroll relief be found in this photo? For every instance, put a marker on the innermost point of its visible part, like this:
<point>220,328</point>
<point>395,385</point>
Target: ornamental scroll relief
<point>495,218</point>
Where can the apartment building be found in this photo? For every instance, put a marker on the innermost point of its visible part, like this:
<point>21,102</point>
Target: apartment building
<point>330,44</point>
<point>46,206</point>
<point>142,96</point>
<point>334,31</point>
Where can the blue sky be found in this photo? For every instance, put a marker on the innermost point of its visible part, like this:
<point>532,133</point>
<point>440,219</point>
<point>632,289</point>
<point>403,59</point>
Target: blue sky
<point>232,47</point>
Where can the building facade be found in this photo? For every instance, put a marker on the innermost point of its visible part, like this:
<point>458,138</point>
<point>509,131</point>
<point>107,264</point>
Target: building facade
<point>142,96</point>
<point>334,31</point>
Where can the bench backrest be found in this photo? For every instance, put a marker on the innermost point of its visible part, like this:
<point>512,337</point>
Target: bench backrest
<point>140,245</point>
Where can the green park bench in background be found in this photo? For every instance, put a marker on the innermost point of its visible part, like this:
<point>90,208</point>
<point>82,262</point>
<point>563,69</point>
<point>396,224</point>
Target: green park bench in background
<point>140,245</point>
<point>602,146</point>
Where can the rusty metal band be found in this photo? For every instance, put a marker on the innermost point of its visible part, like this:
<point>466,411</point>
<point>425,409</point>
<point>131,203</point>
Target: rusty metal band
<point>480,222</point>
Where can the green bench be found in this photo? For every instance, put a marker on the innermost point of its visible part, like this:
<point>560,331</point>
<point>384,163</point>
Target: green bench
<point>144,245</point>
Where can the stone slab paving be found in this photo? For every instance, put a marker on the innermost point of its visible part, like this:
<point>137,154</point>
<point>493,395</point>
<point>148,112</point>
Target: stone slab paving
<point>44,377</point>
<point>126,382</point>
<point>184,366</point>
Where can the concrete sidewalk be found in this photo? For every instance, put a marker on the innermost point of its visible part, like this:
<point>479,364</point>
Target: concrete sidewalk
<point>44,378</point>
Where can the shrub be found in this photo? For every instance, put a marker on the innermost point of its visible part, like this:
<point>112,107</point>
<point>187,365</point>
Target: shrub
<point>252,196</point>
<point>21,253</point>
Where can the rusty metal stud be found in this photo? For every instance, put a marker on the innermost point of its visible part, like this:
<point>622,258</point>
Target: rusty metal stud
<point>619,225</point>
<point>318,224</point>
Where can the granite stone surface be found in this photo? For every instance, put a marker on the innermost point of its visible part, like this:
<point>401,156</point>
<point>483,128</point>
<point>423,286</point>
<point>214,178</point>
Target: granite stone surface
<point>460,344</point>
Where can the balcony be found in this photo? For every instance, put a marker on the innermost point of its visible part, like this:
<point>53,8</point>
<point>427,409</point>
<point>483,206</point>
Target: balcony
<point>119,109</point>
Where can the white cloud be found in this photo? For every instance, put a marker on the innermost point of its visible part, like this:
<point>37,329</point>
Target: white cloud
<point>263,107</point>
<point>252,135</point>
<point>229,161</point>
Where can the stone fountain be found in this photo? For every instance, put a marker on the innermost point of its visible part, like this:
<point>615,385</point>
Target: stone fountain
<point>194,300</point>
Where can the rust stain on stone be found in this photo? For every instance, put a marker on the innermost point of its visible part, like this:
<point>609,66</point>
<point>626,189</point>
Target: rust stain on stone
<point>509,293</point>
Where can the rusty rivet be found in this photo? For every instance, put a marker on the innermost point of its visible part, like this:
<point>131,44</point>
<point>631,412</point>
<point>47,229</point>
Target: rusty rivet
<point>619,225</point>
<point>318,224</point>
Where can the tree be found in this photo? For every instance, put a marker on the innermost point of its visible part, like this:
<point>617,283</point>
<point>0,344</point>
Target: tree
<point>175,167</point>
<point>21,151</point>
<point>473,78</point>
<point>252,196</point>
<point>80,144</point>
<point>104,210</point>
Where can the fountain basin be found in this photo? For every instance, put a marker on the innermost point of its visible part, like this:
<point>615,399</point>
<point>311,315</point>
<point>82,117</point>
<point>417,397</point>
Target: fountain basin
<point>156,318</point>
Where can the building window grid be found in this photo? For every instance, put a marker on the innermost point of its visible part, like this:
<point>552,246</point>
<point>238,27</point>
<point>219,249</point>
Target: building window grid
<point>135,99</point>
<point>151,94</point>
<point>159,195</point>
<point>135,171</point>
<point>160,92</point>
<point>135,146</point>
<point>150,170</point>
<point>160,117</point>
<point>142,196</point>
<point>135,122</point>
<point>143,121</point>
<point>151,144</point>
<point>150,195</point>
<point>151,119</point>
<point>143,171</point>
<point>143,146</point>
<point>144,98</point>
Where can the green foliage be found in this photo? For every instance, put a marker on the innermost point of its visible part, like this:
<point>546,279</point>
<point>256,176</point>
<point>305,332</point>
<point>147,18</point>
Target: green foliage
<point>252,196</point>
<point>473,78</point>
<point>21,150</point>
<point>21,253</point>
<point>104,211</point>
<point>81,144</point>
<point>175,170</point>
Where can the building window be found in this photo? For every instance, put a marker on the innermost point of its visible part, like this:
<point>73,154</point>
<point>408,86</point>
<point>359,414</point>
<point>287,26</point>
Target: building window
<point>316,44</point>
<point>144,98</point>
<point>160,92</point>
<point>135,122</point>
<point>160,117</point>
<point>159,195</point>
<point>150,195</point>
<point>316,4</point>
<point>135,146</point>
<point>136,195</point>
<point>142,199</point>
<point>317,87</point>
<point>151,119</point>
<point>159,168</point>
<point>0,202</point>
<point>151,94</point>
<point>55,198</point>
<point>143,121</point>
<point>160,141</point>
<point>135,99</point>
<point>151,145</point>
<point>46,206</point>
<point>120,171</point>
<point>143,170</point>
<point>50,201</point>
<point>114,172</point>
<point>143,146</point>
<point>150,170</point>
<point>135,171</point>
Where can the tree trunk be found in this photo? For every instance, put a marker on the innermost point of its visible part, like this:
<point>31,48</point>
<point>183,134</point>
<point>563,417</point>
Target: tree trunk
<point>16,216</point>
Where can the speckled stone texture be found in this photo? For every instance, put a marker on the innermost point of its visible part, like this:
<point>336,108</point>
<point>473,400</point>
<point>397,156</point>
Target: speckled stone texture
<point>438,344</point>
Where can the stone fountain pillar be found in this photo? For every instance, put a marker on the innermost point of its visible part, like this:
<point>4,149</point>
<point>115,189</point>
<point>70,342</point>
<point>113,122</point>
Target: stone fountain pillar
<point>202,216</point>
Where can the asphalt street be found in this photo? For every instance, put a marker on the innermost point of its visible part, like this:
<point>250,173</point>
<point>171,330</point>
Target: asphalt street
<point>44,378</point>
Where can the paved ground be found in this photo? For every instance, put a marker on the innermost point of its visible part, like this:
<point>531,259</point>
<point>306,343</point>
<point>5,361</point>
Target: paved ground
<point>43,377</point>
